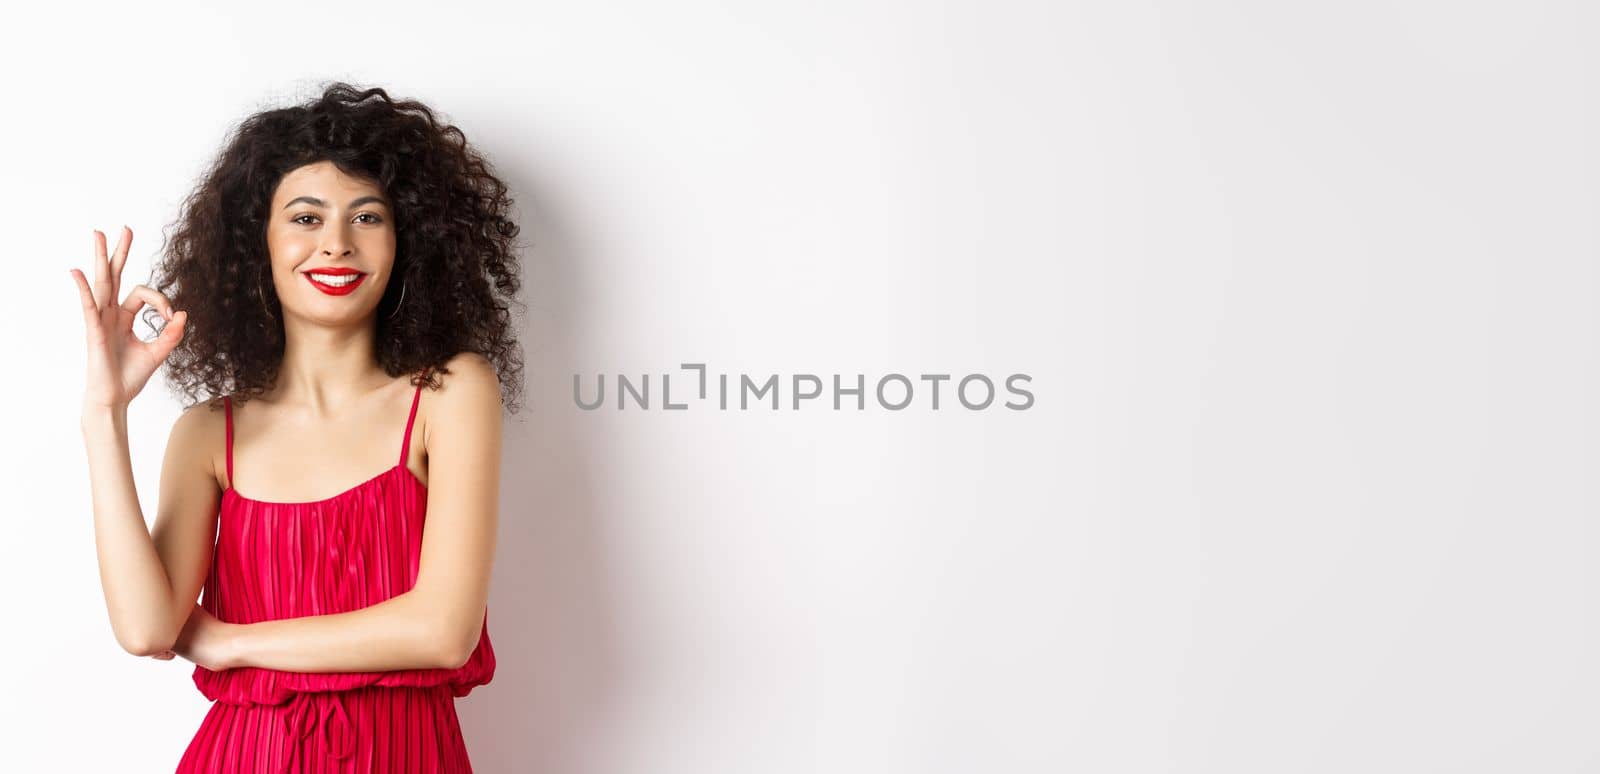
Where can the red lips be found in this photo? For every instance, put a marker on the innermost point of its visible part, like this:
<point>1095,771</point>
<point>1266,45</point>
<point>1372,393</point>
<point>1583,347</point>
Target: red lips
<point>336,290</point>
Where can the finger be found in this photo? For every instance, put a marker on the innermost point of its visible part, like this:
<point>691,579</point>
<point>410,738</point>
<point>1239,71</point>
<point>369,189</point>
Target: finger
<point>119,259</point>
<point>171,334</point>
<point>102,272</point>
<point>91,312</point>
<point>136,300</point>
<point>144,294</point>
<point>94,329</point>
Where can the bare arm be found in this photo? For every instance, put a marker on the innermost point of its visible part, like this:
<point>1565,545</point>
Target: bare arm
<point>146,602</point>
<point>393,634</point>
<point>436,624</point>
<point>150,578</point>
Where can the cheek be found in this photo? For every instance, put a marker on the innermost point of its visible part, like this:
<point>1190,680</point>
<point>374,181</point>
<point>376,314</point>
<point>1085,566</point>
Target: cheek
<point>379,246</point>
<point>382,240</point>
<point>288,246</point>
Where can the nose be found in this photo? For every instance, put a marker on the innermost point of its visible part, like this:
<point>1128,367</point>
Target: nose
<point>335,242</point>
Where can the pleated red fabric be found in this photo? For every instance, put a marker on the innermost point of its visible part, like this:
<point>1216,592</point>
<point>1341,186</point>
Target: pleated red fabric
<point>342,553</point>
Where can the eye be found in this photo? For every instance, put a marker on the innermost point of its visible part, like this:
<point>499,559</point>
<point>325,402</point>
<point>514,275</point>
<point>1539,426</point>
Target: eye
<point>375,217</point>
<point>298,218</point>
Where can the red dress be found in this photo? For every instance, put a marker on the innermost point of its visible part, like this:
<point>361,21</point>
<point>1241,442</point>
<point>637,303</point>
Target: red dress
<point>342,553</point>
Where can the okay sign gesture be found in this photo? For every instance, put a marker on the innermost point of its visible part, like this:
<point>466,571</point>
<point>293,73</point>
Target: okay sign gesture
<point>120,363</point>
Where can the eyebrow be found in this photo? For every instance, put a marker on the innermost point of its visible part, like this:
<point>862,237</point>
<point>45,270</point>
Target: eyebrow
<point>315,202</point>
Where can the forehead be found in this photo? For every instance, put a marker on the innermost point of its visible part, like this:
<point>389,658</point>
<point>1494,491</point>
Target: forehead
<point>324,180</point>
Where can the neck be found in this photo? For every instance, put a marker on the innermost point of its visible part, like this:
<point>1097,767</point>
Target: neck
<point>325,368</point>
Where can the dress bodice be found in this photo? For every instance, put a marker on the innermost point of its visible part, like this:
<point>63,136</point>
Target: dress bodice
<point>342,553</point>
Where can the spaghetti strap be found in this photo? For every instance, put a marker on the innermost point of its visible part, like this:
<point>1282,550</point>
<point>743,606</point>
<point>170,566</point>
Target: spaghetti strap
<point>405,445</point>
<point>227,405</point>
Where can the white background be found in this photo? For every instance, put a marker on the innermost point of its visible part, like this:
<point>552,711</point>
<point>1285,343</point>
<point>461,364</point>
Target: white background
<point>1307,292</point>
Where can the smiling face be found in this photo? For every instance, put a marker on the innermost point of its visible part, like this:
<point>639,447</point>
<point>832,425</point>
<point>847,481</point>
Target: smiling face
<point>331,238</point>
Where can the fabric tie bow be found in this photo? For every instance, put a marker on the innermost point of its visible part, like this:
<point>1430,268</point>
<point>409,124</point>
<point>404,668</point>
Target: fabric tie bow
<point>307,711</point>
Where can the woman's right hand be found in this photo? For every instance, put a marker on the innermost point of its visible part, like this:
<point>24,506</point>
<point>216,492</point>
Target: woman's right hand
<point>120,363</point>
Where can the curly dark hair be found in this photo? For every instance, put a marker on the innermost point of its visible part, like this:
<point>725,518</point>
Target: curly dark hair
<point>454,245</point>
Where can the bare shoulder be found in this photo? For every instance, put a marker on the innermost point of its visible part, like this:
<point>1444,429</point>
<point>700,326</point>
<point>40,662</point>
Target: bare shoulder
<point>198,438</point>
<point>467,397</point>
<point>470,373</point>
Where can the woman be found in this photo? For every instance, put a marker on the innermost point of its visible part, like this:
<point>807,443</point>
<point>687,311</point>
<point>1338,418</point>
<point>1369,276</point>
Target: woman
<point>340,278</point>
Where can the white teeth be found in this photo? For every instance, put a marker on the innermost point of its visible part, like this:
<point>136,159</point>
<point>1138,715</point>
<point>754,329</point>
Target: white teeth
<point>335,279</point>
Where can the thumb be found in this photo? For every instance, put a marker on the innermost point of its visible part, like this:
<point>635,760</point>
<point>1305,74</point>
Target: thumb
<point>171,334</point>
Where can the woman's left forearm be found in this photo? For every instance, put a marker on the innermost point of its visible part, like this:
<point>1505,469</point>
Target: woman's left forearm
<point>404,632</point>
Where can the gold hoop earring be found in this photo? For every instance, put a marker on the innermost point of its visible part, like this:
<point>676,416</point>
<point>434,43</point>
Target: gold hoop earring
<point>401,301</point>
<point>263,296</point>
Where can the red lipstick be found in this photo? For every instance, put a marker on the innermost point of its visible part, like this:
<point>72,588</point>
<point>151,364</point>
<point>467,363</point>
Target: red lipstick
<point>345,288</point>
